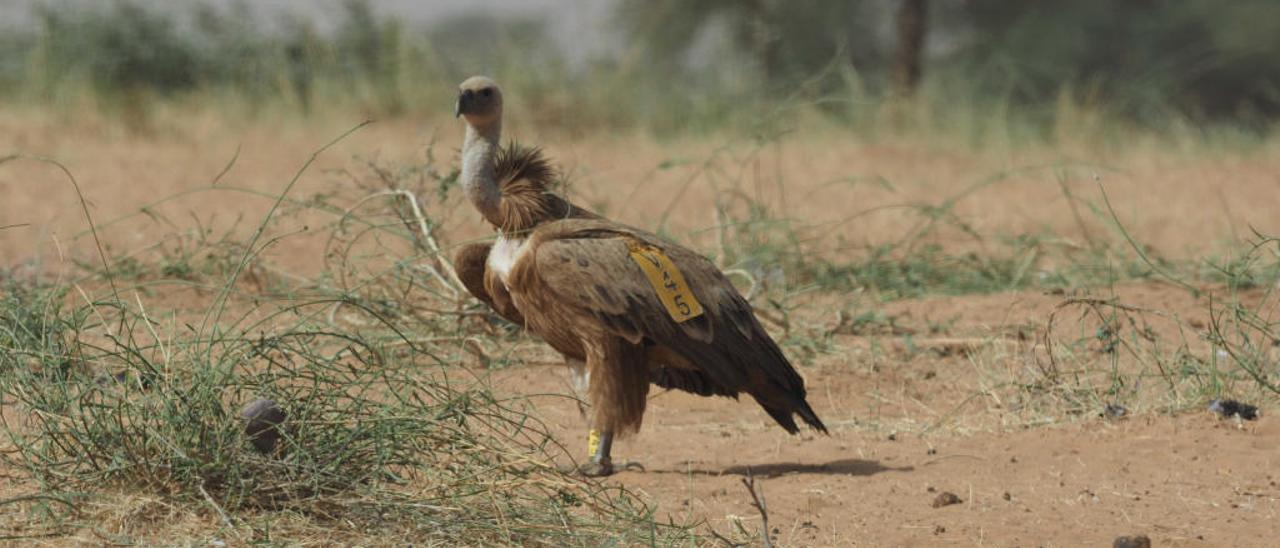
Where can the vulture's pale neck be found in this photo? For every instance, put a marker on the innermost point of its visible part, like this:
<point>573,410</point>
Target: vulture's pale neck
<point>479,179</point>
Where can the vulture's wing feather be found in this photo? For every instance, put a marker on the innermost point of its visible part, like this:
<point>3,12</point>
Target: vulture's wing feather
<point>469,263</point>
<point>587,265</point>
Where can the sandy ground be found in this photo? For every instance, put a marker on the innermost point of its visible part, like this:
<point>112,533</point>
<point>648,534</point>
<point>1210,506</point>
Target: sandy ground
<point>943,399</point>
<point>909,432</point>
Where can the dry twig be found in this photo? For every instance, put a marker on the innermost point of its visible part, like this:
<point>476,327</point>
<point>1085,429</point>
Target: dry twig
<point>757,500</point>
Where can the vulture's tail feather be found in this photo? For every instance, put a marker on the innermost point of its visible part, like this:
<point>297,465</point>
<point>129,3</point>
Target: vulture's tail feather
<point>798,406</point>
<point>810,417</point>
<point>783,416</point>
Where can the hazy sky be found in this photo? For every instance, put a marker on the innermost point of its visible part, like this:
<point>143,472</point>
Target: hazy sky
<point>577,25</point>
<point>570,14</point>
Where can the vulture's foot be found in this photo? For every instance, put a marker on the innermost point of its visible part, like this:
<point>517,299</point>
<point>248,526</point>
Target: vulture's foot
<point>596,469</point>
<point>600,464</point>
<point>590,469</point>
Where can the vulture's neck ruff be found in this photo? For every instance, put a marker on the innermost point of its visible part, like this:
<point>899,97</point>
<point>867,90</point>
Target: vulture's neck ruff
<point>509,186</point>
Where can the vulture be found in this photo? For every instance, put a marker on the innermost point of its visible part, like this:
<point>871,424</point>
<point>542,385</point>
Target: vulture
<point>625,307</point>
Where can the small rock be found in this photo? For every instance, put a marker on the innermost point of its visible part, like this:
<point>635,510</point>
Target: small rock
<point>1135,541</point>
<point>262,424</point>
<point>1006,496</point>
<point>1115,411</point>
<point>946,498</point>
<point>1228,408</point>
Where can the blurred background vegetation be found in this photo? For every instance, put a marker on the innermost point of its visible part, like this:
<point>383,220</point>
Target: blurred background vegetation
<point>1027,69</point>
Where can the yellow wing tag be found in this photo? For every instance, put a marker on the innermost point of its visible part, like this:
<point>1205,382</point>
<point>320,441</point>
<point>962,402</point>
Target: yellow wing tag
<point>667,281</point>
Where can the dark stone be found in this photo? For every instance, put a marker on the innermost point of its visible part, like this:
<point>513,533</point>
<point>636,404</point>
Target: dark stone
<point>263,419</point>
<point>946,498</point>
<point>1135,541</point>
<point>1227,408</point>
<point>1114,411</point>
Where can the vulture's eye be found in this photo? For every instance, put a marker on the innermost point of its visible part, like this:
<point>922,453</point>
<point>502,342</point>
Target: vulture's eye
<point>486,92</point>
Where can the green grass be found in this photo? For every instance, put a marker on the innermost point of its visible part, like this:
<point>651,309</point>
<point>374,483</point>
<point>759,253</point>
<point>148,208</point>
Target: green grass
<point>943,255</point>
<point>378,434</point>
<point>386,437</point>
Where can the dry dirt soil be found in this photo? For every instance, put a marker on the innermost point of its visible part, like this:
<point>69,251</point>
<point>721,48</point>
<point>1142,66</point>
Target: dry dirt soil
<point>948,397</point>
<point>914,427</point>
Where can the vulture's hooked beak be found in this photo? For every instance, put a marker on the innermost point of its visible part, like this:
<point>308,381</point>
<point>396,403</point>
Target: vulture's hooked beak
<point>464,99</point>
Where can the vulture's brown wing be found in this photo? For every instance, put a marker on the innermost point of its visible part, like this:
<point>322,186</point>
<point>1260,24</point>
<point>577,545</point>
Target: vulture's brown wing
<point>469,262</point>
<point>588,265</point>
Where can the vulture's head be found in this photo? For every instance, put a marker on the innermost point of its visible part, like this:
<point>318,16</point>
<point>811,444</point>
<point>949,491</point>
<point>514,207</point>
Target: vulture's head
<point>479,100</point>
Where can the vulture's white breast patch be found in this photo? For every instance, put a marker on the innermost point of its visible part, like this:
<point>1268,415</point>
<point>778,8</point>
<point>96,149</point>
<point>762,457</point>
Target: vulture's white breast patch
<point>504,254</point>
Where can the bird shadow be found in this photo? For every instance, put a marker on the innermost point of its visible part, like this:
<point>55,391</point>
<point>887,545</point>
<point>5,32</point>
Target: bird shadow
<point>841,467</point>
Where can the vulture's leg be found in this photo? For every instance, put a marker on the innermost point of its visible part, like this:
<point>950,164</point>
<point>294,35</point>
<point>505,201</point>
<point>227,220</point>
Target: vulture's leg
<point>619,386</point>
<point>600,457</point>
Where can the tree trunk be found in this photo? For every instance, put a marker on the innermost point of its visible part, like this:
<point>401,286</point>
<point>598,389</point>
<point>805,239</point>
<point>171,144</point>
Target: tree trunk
<point>760,36</point>
<point>906,60</point>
